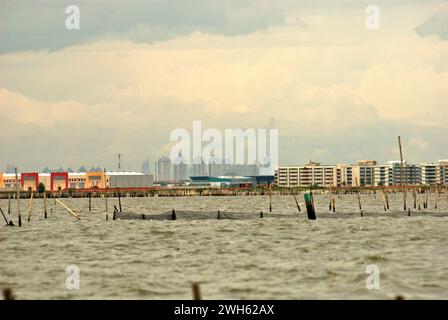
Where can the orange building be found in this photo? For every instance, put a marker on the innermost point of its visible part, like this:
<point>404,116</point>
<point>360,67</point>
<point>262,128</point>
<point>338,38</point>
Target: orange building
<point>95,179</point>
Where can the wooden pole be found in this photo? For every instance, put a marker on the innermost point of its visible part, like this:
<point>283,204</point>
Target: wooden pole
<point>9,203</point>
<point>119,200</point>
<point>357,192</point>
<point>68,209</point>
<point>270,199</point>
<point>384,199</point>
<point>90,201</point>
<point>414,194</point>
<point>436,206</point>
<point>30,207</point>
<point>402,174</point>
<point>18,196</point>
<point>105,199</point>
<point>6,220</point>
<point>45,204</point>
<point>297,203</point>
<point>196,291</point>
<point>106,187</point>
<point>387,200</point>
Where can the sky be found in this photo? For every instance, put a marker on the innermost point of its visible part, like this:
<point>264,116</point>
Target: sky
<point>135,71</point>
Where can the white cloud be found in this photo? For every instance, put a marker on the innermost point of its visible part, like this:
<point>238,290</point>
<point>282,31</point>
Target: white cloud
<point>332,82</point>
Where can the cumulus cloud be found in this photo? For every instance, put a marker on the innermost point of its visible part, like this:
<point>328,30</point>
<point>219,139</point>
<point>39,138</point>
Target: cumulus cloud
<point>334,90</point>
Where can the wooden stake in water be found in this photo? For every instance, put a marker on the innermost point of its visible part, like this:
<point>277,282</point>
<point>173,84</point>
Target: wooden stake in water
<point>359,197</point>
<point>402,174</point>
<point>436,206</point>
<point>384,199</point>
<point>310,206</point>
<point>30,207</point>
<point>6,220</point>
<point>414,194</point>
<point>196,291</point>
<point>90,201</point>
<point>329,197</point>
<point>9,203</point>
<point>68,209</point>
<point>18,197</point>
<point>45,205</point>
<point>297,203</point>
<point>119,200</point>
<point>270,199</point>
<point>387,200</point>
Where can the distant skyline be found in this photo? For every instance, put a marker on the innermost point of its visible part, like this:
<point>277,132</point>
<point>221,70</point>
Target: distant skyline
<point>147,167</point>
<point>136,70</point>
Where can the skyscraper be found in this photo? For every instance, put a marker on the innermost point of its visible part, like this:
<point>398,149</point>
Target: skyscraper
<point>164,169</point>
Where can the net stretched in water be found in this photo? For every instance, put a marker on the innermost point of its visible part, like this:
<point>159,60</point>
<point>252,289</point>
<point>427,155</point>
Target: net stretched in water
<point>197,215</point>
<point>204,215</point>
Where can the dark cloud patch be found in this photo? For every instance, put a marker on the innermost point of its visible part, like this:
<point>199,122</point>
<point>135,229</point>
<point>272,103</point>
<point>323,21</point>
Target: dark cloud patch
<point>40,25</point>
<point>436,25</point>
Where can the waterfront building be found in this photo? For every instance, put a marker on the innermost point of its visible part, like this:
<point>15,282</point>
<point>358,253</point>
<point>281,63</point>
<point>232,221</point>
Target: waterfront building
<point>231,181</point>
<point>58,181</point>
<point>363,173</point>
<point>164,169</point>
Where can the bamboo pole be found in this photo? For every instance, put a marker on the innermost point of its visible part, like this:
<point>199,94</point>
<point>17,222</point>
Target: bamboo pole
<point>68,209</point>
<point>105,200</point>
<point>106,187</point>
<point>402,174</point>
<point>119,199</point>
<point>270,199</point>
<point>6,220</point>
<point>45,204</point>
<point>415,199</point>
<point>437,197</point>
<point>30,207</point>
<point>387,200</point>
<point>357,192</point>
<point>297,203</point>
<point>196,291</point>
<point>383,195</point>
<point>329,198</point>
<point>18,196</point>
<point>9,203</point>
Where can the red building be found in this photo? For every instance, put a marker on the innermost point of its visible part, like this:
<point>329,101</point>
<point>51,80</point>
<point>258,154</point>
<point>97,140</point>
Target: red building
<point>58,181</point>
<point>29,180</point>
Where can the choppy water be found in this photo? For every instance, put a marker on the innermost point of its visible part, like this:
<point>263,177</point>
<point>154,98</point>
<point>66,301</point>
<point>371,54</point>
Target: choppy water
<point>284,258</point>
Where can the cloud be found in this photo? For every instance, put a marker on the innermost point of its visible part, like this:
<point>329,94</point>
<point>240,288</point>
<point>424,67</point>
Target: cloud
<point>333,89</point>
<point>40,25</point>
<point>435,25</point>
